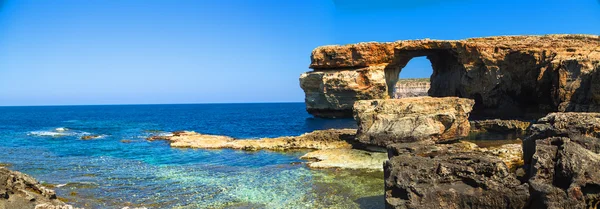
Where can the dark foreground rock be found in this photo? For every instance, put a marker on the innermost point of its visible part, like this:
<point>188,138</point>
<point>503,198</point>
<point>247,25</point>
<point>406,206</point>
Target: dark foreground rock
<point>425,175</point>
<point>563,161</point>
<point>500,126</point>
<point>388,121</point>
<point>20,191</point>
<point>560,169</point>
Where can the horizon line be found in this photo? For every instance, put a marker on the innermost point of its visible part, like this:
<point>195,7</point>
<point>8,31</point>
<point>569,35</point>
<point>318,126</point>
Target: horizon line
<point>131,104</point>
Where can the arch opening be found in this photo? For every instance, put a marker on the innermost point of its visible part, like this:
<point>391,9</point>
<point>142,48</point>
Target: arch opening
<point>414,79</point>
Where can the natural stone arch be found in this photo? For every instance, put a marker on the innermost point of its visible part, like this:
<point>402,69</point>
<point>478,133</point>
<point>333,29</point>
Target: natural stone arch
<point>444,79</point>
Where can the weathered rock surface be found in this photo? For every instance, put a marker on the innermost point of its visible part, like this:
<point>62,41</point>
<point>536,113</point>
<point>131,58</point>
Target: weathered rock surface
<point>562,155</point>
<point>387,121</point>
<point>564,174</point>
<point>500,126</point>
<point>411,88</point>
<point>321,139</point>
<point>332,93</point>
<point>507,76</point>
<point>459,175</point>
<point>346,158</point>
<point>20,191</point>
<point>581,128</point>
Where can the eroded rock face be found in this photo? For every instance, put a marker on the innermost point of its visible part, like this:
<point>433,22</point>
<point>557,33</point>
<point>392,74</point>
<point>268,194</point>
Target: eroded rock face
<point>459,175</point>
<point>388,121</point>
<point>332,93</point>
<point>581,128</point>
<point>20,191</point>
<point>562,155</point>
<point>507,76</point>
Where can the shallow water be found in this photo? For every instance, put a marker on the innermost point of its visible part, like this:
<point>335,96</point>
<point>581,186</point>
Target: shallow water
<point>122,169</point>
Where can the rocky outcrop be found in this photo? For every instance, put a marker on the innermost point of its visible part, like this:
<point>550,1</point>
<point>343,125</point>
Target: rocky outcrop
<point>459,175</point>
<point>507,76</point>
<point>561,157</point>
<point>320,139</point>
<point>333,147</point>
<point>562,154</point>
<point>387,121</point>
<point>20,191</point>
<point>332,93</point>
<point>411,88</point>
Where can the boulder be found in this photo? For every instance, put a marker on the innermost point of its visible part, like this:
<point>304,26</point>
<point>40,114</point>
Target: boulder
<point>459,175</point>
<point>20,191</point>
<point>507,76</point>
<point>388,121</point>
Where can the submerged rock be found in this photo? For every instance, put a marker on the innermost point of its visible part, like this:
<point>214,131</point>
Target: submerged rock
<point>346,158</point>
<point>388,121</point>
<point>321,139</point>
<point>90,137</point>
<point>20,191</point>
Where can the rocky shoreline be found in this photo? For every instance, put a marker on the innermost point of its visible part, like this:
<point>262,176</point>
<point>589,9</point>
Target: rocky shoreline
<point>18,190</point>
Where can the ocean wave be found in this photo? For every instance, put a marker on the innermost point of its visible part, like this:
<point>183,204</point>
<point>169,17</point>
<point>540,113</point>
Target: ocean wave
<point>58,132</point>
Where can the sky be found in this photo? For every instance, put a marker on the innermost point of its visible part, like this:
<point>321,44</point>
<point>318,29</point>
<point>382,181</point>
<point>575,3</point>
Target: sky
<point>72,52</point>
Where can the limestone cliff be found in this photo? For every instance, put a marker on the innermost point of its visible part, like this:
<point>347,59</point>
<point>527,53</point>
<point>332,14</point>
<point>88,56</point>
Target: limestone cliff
<point>411,88</point>
<point>507,76</point>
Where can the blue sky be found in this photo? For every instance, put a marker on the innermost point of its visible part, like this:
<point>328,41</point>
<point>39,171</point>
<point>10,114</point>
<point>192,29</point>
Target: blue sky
<point>61,52</point>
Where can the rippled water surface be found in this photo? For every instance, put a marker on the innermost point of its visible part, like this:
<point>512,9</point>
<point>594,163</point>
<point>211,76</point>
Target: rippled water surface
<point>122,169</point>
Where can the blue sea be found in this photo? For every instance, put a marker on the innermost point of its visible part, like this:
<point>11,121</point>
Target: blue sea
<point>122,168</point>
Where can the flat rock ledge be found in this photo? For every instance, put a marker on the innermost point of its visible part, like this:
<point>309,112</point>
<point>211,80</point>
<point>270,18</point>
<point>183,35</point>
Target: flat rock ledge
<point>321,139</point>
<point>333,147</point>
<point>21,191</point>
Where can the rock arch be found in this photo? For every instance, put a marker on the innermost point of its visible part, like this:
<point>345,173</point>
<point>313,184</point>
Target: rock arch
<point>507,76</point>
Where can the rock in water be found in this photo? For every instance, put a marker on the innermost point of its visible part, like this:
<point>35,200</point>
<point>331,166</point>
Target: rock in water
<point>331,94</point>
<point>20,191</point>
<point>387,121</point>
<point>507,76</point>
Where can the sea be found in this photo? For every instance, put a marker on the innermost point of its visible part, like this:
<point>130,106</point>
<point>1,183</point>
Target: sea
<point>123,169</point>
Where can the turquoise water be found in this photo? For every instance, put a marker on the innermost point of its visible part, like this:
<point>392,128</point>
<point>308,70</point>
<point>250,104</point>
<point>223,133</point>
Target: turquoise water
<point>122,169</point>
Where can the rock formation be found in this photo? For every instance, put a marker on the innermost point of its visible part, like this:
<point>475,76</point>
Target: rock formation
<point>459,175</point>
<point>20,191</point>
<point>411,88</point>
<point>333,147</point>
<point>507,76</point>
<point>562,154</point>
<point>561,157</point>
<point>320,139</point>
<point>387,121</point>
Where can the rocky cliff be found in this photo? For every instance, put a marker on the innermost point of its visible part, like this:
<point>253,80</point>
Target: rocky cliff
<point>507,76</point>
<point>411,88</point>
